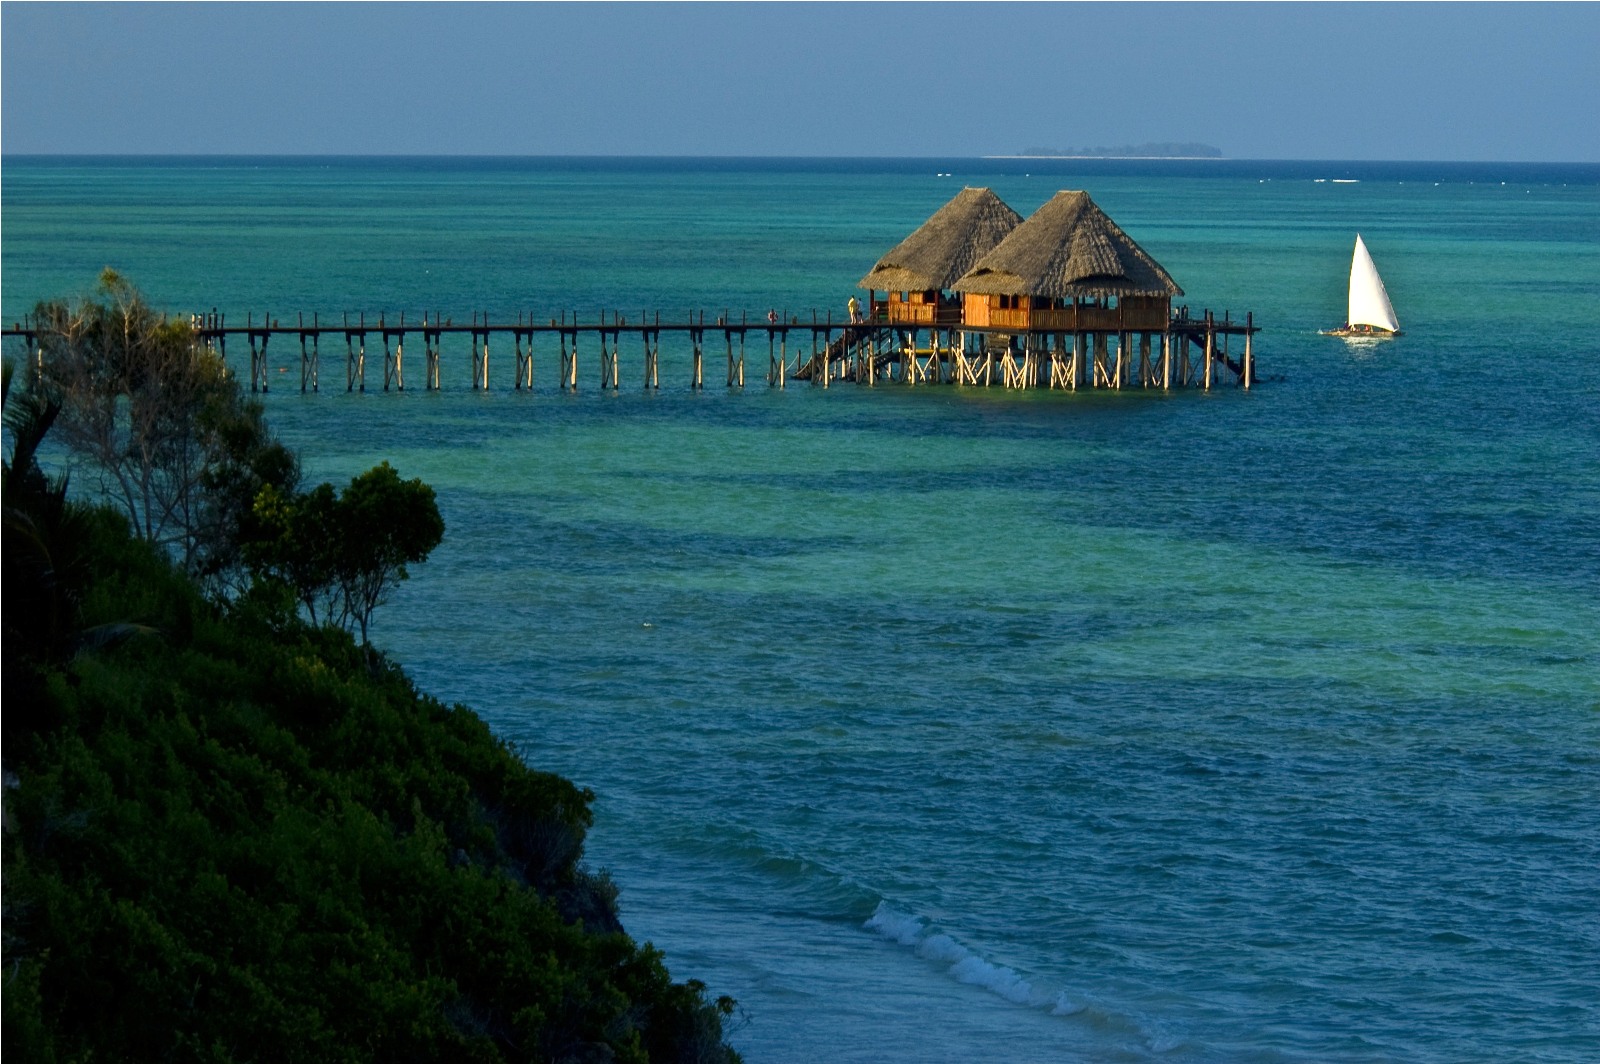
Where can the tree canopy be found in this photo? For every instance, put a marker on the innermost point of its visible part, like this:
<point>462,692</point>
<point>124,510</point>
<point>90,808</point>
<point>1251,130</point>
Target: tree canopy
<point>342,554</point>
<point>152,419</point>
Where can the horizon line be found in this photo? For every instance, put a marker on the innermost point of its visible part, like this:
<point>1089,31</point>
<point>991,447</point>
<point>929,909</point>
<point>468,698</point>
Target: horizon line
<point>617,155</point>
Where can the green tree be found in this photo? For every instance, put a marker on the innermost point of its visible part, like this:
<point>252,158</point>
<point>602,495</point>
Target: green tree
<point>342,555</point>
<point>151,417</point>
<point>385,524</point>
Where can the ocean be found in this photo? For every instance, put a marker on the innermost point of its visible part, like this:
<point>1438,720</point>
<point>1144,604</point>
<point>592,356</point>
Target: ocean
<point>952,724</point>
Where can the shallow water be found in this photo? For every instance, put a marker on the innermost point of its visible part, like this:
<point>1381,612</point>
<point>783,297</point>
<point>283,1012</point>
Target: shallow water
<point>942,724</point>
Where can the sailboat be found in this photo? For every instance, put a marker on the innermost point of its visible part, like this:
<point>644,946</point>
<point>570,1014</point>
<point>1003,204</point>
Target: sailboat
<point>1371,314</point>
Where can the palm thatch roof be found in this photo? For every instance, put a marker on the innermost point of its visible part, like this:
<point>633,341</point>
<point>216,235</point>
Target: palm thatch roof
<point>1066,249</point>
<point>946,245</point>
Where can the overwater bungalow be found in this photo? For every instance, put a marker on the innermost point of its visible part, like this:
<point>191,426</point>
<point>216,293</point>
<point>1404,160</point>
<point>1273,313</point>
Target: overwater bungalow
<point>1068,268</point>
<point>917,273</point>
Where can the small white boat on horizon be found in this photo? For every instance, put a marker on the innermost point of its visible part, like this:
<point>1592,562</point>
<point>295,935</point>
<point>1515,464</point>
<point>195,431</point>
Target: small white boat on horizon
<point>1370,314</point>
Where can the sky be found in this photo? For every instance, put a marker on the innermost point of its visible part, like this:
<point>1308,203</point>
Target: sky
<point>1478,82</point>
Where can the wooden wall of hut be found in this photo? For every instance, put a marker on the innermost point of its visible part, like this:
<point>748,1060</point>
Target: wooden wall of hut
<point>1128,313</point>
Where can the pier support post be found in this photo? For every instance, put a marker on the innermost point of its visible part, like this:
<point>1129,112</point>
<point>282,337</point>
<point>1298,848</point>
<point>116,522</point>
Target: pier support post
<point>355,360</point>
<point>258,361</point>
<point>1211,349</point>
<point>569,362</point>
<point>735,364</point>
<point>480,359</point>
<point>608,361</point>
<point>524,361</point>
<point>430,344</point>
<point>392,363</point>
<point>698,381</point>
<point>310,367</point>
<point>1249,353</point>
<point>652,359</point>
<point>1166,361</point>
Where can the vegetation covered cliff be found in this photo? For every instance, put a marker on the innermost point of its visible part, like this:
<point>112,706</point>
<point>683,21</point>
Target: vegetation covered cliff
<point>233,833</point>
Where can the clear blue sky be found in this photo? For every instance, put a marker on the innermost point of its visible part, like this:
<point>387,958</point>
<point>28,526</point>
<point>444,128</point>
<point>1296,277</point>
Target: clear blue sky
<point>1362,81</point>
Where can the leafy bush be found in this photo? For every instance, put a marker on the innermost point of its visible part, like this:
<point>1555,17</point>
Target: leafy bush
<point>227,841</point>
<point>232,835</point>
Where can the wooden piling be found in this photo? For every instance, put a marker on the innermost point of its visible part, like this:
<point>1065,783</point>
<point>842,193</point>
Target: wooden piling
<point>1249,354</point>
<point>524,362</point>
<point>569,363</point>
<point>355,361</point>
<point>393,364</point>
<point>480,359</point>
<point>310,362</point>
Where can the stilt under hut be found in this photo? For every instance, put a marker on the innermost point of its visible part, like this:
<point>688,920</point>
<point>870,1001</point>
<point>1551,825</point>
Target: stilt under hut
<point>1066,284</point>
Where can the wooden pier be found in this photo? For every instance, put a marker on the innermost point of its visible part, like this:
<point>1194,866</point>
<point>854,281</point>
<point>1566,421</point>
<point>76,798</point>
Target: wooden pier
<point>1190,352</point>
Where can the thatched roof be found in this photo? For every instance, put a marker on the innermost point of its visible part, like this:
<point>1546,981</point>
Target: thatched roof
<point>1068,248</point>
<point>946,245</point>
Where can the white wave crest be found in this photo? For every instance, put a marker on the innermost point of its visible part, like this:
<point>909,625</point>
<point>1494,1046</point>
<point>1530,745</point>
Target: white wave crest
<point>894,926</point>
<point>1003,981</point>
<point>964,965</point>
<point>942,949</point>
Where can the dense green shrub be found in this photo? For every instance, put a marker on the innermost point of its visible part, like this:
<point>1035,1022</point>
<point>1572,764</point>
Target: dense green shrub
<point>233,835</point>
<point>232,841</point>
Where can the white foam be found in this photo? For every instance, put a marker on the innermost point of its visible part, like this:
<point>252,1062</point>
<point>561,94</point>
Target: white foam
<point>964,965</point>
<point>1003,981</point>
<point>943,949</point>
<point>895,926</point>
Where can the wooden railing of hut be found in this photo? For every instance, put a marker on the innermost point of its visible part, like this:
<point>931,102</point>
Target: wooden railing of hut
<point>920,309</point>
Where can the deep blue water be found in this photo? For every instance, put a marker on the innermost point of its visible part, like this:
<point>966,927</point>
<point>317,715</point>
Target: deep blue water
<point>952,724</point>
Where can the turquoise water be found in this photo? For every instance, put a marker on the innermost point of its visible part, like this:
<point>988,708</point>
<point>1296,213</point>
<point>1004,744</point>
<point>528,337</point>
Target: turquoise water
<point>948,724</point>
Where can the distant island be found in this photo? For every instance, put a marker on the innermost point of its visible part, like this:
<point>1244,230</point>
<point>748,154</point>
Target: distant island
<point>1153,150</point>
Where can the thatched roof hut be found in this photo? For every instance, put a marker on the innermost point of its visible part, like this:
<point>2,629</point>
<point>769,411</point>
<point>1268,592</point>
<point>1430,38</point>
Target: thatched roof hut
<point>946,246</point>
<point>1066,250</point>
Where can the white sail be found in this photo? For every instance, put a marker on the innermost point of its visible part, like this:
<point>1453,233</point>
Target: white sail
<point>1369,300</point>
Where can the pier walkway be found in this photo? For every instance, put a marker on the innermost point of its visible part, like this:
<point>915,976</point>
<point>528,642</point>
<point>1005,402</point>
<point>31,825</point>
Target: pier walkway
<point>1191,352</point>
